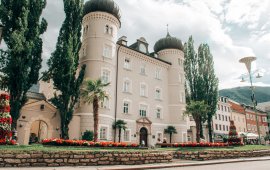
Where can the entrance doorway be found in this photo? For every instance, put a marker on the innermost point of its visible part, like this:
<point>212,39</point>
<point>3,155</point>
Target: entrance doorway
<point>143,136</point>
<point>38,132</point>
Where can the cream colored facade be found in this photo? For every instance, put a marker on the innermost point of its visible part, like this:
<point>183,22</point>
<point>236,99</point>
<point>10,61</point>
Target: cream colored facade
<point>145,91</point>
<point>238,116</point>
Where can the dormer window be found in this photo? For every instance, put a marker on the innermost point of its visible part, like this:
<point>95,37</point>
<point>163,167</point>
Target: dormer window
<point>142,48</point>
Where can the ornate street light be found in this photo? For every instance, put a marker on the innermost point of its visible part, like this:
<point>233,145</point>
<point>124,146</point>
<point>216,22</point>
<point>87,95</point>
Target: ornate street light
<point>1,32</point>
<point>247,61</point>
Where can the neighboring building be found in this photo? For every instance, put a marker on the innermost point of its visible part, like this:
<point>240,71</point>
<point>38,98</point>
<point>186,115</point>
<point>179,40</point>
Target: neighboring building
<point>146,89</point>
<point>252,123</point>
<point>221,120</point>
<point>266,108</point>
<point>238,115</point>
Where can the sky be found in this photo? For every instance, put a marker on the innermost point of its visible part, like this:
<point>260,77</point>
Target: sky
<point>232,28</point>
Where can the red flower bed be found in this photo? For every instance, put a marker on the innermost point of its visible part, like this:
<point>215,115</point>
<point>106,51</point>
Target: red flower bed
<point>62,142</point>
<point>7,142</point>
<point>194,144</point>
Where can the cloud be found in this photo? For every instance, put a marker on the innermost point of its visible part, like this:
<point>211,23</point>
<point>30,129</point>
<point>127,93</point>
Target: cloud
<point>229,27</point>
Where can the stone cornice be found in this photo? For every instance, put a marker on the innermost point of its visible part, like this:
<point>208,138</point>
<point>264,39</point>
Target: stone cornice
<point>101,15</point>
<point>171,51</point>
<point>144,57</point>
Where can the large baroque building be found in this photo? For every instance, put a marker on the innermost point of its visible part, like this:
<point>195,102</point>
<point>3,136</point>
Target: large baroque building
<point>146,89</point>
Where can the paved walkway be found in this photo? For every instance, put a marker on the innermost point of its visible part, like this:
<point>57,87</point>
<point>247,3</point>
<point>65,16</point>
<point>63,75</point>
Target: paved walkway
<point>176,163</point>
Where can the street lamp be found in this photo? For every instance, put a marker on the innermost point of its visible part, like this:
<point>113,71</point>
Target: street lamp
<point>247,61</point>
<point>1,32</point>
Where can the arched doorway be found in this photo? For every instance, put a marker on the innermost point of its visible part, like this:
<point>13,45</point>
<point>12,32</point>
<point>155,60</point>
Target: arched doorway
<point>143,136</point>
<point>38,131</point>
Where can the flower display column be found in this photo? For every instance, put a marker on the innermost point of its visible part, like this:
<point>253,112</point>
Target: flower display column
<point>233,139</point>
<point>5,119</point>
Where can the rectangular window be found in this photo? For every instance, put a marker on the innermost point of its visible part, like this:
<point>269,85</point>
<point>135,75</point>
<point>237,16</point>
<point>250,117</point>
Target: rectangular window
<point>142,70</point>
<point>143,109</point>
<point>126,107</point>
<point>159,137</point>
<point>158,94</point>
<point>219,117</point>
<point>219,127</point>
<point>216,126</point>
<point>227,128</point>
<point>103,133</point>
<point>107,51</point>
<point>223,127</point>
<point>126,87</point>
<point>127,63</point>
<point>216,117</point>
<point>221,108</point>
<point>226,118</point>
<point>158,113</point>
<point>105,103</point>
<point>218,107</point>
<point>222,117</point>
<point>157,74</point>
<point>127,135</point>
<point>105,77</point>
<point>143,90</point>
<point>225,108</point>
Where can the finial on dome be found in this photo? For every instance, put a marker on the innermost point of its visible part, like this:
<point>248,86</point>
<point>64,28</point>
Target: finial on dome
<point>168,34</point>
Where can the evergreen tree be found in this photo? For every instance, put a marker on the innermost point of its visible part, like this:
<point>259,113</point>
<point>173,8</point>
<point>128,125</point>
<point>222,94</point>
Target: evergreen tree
<point>64,62</point>
<point>197,109</point>
<point>201,81</point>
<point>209,87</point>
<point>22,60</point>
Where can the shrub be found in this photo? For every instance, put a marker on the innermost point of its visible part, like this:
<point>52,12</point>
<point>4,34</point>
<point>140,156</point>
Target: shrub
<point>88,135</point>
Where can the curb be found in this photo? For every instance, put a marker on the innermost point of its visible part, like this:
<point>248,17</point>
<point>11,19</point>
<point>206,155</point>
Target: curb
<point>184,164</point>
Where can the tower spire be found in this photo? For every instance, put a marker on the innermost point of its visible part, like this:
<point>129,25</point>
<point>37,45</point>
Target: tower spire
<point>168,34</point>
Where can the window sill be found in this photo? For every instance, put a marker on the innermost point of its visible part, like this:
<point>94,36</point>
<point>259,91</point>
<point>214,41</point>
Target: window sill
<point>126,92</point>
<point>106,57</point>
<point>143,74</point>
<point>144,96</point>
<point>158,78</point>
<point>127,69</point>
<point>159,100</point>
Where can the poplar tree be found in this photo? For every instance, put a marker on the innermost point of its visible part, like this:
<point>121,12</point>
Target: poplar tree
<point>209,88</point>
<point>201,81</point>
<point>64,63</point>
<point>22,32</point>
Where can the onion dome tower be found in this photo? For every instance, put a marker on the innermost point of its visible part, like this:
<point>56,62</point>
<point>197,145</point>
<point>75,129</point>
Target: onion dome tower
<point>101,22</point>
<point>171,49</point>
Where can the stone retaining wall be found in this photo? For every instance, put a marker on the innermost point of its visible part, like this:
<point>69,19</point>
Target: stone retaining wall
<point>210,155</point>
<point>80,158</point>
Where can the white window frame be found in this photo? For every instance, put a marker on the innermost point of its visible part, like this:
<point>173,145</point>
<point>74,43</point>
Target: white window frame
<point>128,107</point>
<point>161,138</point>
<point>107,51</point>
<point>182,97</point>
<point>143,69</point>
<point>141,109</point>
<point>129,135</point>
<point>158,96</point>
<point>103,70</point>
<point>160,112</point>
<point>105,104</point>
<point>129,89</point>
<point>106,132</point>
<point>127,65</point>
<point>143,93</point>
<point>158,73</point>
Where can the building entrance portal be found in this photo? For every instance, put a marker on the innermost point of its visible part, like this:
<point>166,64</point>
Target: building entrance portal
<point>143,136</point>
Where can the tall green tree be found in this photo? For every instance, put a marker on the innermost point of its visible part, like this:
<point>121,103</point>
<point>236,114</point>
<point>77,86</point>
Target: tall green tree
<point>64,63</point>
<point>201,81</point>
<point>209,88</point>
<point>22,32</point>
<point>93,92</point>
<point>119,124</point>
<point>170,130</point>
<point>197,109</point>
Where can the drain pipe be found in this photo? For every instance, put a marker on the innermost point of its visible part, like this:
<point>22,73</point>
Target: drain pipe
<point>116,91</point>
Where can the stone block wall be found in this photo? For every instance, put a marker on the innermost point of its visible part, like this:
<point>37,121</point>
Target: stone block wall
<point>80,158</point>
<point>211,155</point>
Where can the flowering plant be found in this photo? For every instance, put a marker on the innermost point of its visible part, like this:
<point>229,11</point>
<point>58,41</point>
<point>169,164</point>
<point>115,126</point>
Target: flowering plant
<point>5,119</point>
<point>62,142</point>
<point>7,142</point>
<point>194,144</point>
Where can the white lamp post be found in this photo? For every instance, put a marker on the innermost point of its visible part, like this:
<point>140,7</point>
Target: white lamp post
<point>247,61</point>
